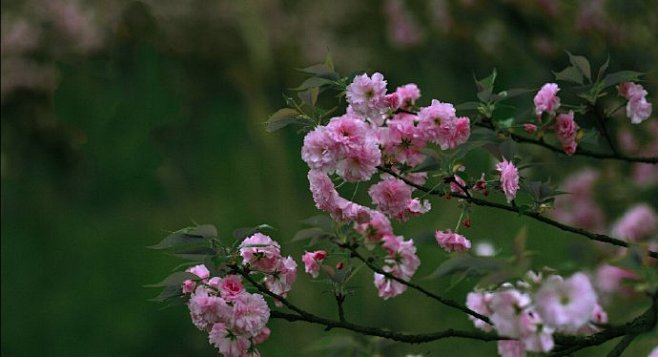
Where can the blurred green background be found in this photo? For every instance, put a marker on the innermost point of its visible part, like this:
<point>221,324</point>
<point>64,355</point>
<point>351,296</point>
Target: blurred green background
<point>123,120</point>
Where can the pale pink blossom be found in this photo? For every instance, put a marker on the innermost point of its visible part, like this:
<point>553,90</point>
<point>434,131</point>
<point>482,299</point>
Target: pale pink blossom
<point>546,99</point>
<point>230,287</point>
<point>199,270</point>
<point>637,223</point>
<point>313,261</point>
<point>440,125</point>
<point>367,97</point>
<point>406,96</point>
<point>262,336</point>
<point>260,252</point>
<point>250,314</point>
<point>637,108</point>
<point>507,306</point>
<point>452,241</point>
<point>393,198</point>
<point>403,30</point>
<point>404,141</point>
<point>360,162</point>
<point>509,179</point>
<point>511,348</point>
<point>282,278</point>
<point>376,228</point>
<point>401,255</point>
<point>484,249</point>
<point>566,303</point>
<point>458,185</point>
<point>654,352</point>
<point>565,130</point>
<point>207,309</point>
<point>535,336</point>
<point>319,150</point>
<point>327,199</point>
<point>453,133</point>
<point>388,288</point>
<point>578,206</point>
<point>599,317</point>
<point>188,286</point>
<point>609,279</point>
<point>479,302</point>
<point>227,342</point>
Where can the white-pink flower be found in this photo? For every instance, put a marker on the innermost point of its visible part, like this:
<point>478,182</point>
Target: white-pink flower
<point>535,335</point>
<point>452,241</point>
<point>367,97</point>
<point>260,252</point>
<point>207,309</point>
<point>388,288</point>
<point>282,278</point>
<point>509,179</point>
<point>566,304</point>
<point>506,306</point>
<point>227,342</point>
<point>376,228</point>
<point>319,150</point>
<point>405,96</point>
<point>230,287</point>
<point>250,314</point>
<point>401,255</point>
<point>546,100</point>
<point>479,302</point>
<point>312,262</point>
<point>637,108</point>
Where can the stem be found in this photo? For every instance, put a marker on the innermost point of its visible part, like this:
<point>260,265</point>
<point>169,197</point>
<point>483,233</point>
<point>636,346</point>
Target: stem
<point>622,345</point>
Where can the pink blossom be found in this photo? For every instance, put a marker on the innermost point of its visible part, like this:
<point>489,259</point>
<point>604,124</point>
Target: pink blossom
<point>250,314</point>
<point>507,306</point>
<point>654,352</point>
<point>199,270</point>
<point>228,343</point>
<point>479,302</point>
<point>280,281</point>
<point>188,286</point>
<point>608,278</point>
<point>262,336</point>
<point>393,197</point>
<point>319,150</point>
<point>327,199</point>
<point>637,108</point>
<point>566,304</point>
<point>367,97</point>
<point>260,252</point>
<point>638,222</point>
<point>230,287</point>
<point>403,30</point>
<point>509,179</point>
<point>312,262</point>
<point>401,255</point>
<point>406,96</point>
<point>388,288</point>
<point>452,241</point>
<point>360,162</point>
<point>565,130</point>
<point>530,128</point>
<point>376,228</point>
<point>404,141</point>
<point>511,348</point>
<point>453,133</point>
<point>207,309</point>
<point>536,336</point>
<point>546,99</point>
<point>578,207</point>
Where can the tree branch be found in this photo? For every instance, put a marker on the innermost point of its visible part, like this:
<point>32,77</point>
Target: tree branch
<point>536,216</point>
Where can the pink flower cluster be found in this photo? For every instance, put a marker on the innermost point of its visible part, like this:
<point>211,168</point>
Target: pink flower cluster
<point>260,253</point>
<point>401,261</point>
<point>313,261</point>
<point>509,178</point>
<point>638,223</point>
<point>637,108</point>
<point>234,319</point>
<point>566,129</point>
<point>393,198</point>
<point>535,308</point>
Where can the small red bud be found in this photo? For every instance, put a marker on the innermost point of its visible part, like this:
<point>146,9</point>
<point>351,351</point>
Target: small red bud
<point>340,265</point>
<point>467,223</point>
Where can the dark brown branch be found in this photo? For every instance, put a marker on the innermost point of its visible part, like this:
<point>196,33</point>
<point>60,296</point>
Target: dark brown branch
<point>622,345</point>
<point>419,288</point>
<point>480,202</point>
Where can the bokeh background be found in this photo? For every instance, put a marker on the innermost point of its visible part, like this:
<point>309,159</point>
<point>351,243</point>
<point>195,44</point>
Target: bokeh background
<point>123,120</point>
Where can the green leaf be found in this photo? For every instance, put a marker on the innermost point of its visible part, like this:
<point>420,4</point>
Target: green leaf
<point>508,149</point>
<point>313,82</point>
<point>468,106</point>
<point>485,86</point>
<point>309,96</point>
<point>619,77</point>
<point>321,221</point>
<point>187,236</point>
<point>174,279</point>
<point>582,64</point>
<point>310,233</point>
<point>509,94</point>
<point>569,74</point>
<point>603,68</point>
<point>282,118</point>
<point>470,265</point>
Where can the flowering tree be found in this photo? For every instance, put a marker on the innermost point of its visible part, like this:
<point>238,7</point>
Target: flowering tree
<point>407,153</point>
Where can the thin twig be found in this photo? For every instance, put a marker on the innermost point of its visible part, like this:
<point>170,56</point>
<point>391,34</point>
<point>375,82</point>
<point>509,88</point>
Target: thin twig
<point>534,215</point>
